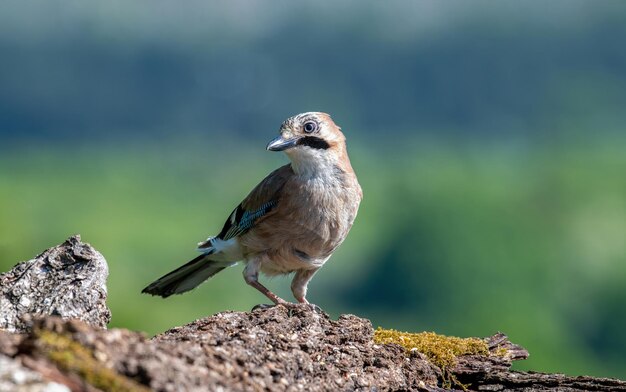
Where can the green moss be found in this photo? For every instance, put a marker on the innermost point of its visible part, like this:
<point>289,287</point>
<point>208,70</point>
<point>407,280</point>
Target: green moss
<point>440,350</point>
<point>73,357</point>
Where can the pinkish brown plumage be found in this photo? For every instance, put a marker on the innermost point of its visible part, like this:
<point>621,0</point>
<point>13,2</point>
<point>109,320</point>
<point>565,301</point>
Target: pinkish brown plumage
<point>291,222</point>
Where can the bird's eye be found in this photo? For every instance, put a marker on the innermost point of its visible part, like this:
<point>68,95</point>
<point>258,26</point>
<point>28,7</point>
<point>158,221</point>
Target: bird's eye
<point>310,127</point>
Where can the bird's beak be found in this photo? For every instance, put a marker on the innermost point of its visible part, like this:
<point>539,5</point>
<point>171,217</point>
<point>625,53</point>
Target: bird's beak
<point>281,144</point>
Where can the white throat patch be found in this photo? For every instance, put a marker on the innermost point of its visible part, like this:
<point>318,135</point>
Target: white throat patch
<point>309,162</point>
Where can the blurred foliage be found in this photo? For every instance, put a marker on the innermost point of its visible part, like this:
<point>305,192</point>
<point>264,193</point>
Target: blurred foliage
<point>153,68</point>
<point>488,138</point>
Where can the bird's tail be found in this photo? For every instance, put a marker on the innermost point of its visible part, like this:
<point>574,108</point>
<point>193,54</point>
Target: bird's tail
<point>186,277</point>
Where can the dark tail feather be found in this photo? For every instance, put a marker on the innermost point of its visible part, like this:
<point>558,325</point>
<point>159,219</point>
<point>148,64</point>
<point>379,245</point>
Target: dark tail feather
<point>186,277</point>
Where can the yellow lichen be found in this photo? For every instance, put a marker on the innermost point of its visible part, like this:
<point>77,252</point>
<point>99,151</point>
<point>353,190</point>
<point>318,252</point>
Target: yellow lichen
<point>441,350</point>
<point>72,357</point>
<point>501,351</point>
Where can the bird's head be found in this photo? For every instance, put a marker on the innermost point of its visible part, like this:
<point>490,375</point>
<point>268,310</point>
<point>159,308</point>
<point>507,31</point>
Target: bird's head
<point>312,130</point>
<point>310,138</point>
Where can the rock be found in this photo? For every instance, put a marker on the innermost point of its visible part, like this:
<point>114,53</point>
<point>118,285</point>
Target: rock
<point>267,349</point>
<point>16,377</point>
<point>298,350</point>
<point>68,280</point>
<point>271,349</point>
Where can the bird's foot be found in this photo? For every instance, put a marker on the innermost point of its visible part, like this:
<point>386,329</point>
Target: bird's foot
<point>291,307</point>
<point>315,308</point>
<point>263,307</point>
<point>302,301</point>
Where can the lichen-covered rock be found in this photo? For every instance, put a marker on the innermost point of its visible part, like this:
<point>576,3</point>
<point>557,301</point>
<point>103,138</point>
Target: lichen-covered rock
<point>68,280</point>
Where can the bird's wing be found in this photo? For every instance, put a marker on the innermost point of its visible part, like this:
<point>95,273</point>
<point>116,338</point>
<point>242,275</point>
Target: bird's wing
<point>258,204</point>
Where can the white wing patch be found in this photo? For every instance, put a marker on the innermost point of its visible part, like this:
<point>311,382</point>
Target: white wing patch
<point>221,250</point>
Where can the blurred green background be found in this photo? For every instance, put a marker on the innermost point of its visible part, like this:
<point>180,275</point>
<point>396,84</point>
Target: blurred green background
<point>488,138</point>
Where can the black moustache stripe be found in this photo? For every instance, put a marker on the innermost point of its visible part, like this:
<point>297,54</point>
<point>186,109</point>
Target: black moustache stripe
<point>313,142</point>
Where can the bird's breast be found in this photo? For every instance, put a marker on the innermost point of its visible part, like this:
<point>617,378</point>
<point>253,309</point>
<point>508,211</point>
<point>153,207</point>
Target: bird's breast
<point>311,220</point>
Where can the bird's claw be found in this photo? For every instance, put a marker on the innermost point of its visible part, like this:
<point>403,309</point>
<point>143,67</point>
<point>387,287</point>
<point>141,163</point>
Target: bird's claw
<point>262,307</point>
<point>290,306</point>
<point>315,308</point>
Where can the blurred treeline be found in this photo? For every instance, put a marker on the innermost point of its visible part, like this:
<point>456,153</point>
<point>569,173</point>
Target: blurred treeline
<point>488,137</point>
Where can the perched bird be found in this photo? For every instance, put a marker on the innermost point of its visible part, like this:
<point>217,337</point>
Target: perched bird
<point>291,222</point>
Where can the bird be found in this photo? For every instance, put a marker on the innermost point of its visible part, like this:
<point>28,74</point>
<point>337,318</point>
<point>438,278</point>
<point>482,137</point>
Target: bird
<point>291,222</point>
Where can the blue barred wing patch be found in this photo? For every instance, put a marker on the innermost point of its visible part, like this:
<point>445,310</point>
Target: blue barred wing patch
<point>240,221</point>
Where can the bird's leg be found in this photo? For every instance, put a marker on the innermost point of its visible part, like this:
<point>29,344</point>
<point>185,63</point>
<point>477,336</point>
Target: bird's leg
<point>299,287</point>
<point>299,284</point>
<point>251,276</point>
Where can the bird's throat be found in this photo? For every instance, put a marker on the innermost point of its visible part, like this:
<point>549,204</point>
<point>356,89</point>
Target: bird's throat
<point>310,163</point>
